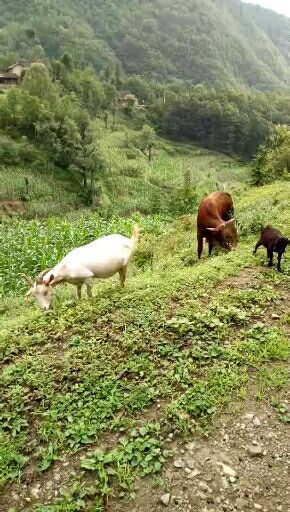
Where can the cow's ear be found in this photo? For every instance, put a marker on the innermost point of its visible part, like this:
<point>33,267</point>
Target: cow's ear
<point>231,222</point>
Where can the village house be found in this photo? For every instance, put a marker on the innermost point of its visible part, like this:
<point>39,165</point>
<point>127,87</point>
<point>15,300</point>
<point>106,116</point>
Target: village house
<point>127,99</point>
<point>13,74</point>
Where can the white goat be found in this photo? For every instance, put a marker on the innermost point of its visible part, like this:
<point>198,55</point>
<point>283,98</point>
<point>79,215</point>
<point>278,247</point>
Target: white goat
<point>100,259</point>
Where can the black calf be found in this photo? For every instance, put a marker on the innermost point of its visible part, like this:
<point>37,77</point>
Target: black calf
<point>273,241</point>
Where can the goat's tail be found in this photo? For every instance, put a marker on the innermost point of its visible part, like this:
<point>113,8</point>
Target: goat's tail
<point>135,235</point>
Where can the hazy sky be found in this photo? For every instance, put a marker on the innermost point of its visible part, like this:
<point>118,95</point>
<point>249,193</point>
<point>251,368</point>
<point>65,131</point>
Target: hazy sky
<point>282,6</point>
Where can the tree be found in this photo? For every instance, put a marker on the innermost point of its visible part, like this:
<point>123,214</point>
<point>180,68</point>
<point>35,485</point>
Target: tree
<point>144,141</point>
<point>272,161</point>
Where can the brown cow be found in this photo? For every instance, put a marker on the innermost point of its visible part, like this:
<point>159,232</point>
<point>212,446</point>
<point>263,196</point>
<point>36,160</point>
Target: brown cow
<point>273,240</point>
<point>214,222</point>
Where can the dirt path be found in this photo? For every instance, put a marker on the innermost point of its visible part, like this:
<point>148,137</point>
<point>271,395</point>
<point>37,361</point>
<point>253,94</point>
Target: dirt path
<point>243,465</point>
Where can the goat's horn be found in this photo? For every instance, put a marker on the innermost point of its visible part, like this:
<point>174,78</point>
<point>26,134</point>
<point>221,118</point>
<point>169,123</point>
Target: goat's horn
<point>28,279</point>
<point>39,278</point>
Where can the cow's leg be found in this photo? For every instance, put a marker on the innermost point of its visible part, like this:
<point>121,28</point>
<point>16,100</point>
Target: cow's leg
<point>270,256</point>
<point>258,244</point>
<point>122,274</point>
<point>279,261</point>
<point>79,291</point>
<point>210,247</point>
<point>199,246</point>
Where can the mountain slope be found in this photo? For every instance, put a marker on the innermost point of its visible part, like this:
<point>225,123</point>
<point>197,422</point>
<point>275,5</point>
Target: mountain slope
<point>202,41</point>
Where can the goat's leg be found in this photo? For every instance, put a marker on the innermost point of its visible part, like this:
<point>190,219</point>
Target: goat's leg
<point>122,274</point>
<point>199,246</point>
<point>89,290</point>
<point>270,256</point>
<point>79,291</point>
<point>279,261</point>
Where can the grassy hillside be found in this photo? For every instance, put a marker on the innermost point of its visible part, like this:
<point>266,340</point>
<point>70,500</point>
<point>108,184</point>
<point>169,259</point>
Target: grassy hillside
<point>202,41</point>
<point>91,390</point>
<point>129,183</point>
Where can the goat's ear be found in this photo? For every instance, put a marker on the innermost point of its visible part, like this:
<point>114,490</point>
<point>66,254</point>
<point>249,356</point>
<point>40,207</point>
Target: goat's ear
<point>50,279</point>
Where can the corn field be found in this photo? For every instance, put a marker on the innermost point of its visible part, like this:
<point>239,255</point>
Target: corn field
<point>29,247</point>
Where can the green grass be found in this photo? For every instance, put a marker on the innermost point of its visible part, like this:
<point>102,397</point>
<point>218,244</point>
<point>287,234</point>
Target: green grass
<point>129,182</point>
<point>175,334</point>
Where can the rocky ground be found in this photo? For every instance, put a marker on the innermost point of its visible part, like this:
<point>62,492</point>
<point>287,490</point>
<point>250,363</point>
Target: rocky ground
<point>244,465</point>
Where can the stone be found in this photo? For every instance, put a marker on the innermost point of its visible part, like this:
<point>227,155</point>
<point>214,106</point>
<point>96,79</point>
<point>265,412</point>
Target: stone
<point>201,495</point>
<point>190,463</point>
<point>35,492</point>
<point>165,499</point>
<point>257,506</point>
<point>190,446</point>
<point>194,473</point>
<point>249,416</point>
<point>256,422</point>
<point>275,316</point>
<point>255,450</point>
<point>187,470</point>
<point>227,470</point>
<point>224,482</point>
<point>57,477</point>
<point>232,479</point>
<point>171,435</point>
<point>178,463</point>
<point>241,503</point>
<point>204,487</point>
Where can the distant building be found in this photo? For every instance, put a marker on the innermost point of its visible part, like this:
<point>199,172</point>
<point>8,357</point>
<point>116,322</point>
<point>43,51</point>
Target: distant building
<point>127,99</point>
<point>20,67</point>
<point>14,74</point>
<point>8,80</point>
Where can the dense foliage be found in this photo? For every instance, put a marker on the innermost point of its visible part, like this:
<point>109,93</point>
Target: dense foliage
<point>208,41</point>
<point>272,161</point>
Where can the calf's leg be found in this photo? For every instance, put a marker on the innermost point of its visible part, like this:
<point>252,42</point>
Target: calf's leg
<point>279,261</point>
<point>258,244</point>
<point>270,256</point>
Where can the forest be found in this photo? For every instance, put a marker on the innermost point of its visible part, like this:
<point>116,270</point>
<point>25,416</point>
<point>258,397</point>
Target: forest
<point>210,42</point>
